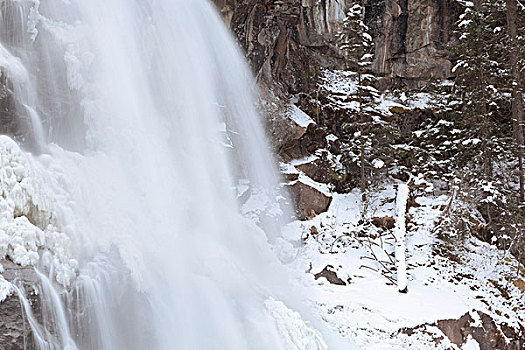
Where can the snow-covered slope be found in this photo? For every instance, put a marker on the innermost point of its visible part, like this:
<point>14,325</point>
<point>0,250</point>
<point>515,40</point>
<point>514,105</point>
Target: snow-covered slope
<point>349,265</point>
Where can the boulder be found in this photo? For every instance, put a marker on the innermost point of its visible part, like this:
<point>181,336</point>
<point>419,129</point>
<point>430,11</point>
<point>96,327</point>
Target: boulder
<point>316,170</point>
<point>386,223</point>
<point>308,201</point>
<point>330,275</point>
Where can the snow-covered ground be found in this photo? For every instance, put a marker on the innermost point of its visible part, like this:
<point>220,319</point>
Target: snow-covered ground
<point>444,281</point>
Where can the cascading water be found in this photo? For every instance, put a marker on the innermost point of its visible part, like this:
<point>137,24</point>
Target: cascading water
<point>148,109</point>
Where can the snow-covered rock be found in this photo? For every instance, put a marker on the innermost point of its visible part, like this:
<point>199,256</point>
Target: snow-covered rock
<point>29,223</point>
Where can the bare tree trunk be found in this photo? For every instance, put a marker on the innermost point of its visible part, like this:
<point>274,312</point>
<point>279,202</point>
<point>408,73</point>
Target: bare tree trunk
<point>486,130</point>
<point>446,30</point>
<point>517,94</point>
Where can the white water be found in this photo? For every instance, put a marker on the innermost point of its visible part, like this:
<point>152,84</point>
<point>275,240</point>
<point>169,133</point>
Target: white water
<point>135,95</point>
<point>36,126</point>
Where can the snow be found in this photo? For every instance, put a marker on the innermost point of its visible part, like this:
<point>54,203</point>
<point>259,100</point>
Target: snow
<point>339,82</point>
<point>6,289</point>
<point>378,163</point>
<point>420,100</point>
<point>368,310</point>
<point>331,138</point>
<point>474,142</point>
<point>261,203</point>
<point>464,23</point>
<point>323,188</point>
<point>386,104</point>
<point>299,117</point>
<point>471,344</point>
<point>304,160</point>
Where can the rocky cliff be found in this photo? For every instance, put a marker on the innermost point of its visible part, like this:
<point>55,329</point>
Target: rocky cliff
<point>287,41</point>
<point>15,331</point>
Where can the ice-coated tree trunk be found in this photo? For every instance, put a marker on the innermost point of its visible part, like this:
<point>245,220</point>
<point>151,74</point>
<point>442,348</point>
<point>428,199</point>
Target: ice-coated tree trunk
<point>400,234</point>
<point>361,138</point>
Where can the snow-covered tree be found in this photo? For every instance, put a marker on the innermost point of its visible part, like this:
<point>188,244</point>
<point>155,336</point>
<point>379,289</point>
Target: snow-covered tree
<point>478,72</point>
<point>517,58</point>
<point>357,46</point>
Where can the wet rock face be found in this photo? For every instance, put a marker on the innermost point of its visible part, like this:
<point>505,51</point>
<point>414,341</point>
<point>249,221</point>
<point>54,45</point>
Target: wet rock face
<point>15,332</point>
<point>9,123</point>
<point>286,41</point>
<point>411,38</point>
<point>14,122</point>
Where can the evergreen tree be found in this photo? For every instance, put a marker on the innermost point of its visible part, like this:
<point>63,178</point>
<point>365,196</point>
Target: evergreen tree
<point>516,65</point>
<point>478,73</point>
<point>357,47</point>
<point>489,56</point>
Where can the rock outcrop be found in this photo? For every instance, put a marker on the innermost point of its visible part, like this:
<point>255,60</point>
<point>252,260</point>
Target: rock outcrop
<point>15,332</point>
<point>308,200</point>
<point>484,331</point>
<point>477,327</point>
<point>411,38</point>
<point>287,41</point>
<point>11,122</point>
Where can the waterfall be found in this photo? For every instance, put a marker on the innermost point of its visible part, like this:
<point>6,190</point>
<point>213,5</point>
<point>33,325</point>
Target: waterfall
<point>146,109</point>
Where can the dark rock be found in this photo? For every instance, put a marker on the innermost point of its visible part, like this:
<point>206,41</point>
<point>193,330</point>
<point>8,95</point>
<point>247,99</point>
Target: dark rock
<point>318,170</point>
<point>15,332</point>
<point>311,141</point>
<point>386,222</point>
<point>9,123</point>
<point>330,275</point>
<point>308,201</point>
<point>488,334</point>
<point>285,135</point>
<point>287,41</point>
<point>411,38</point>
<point>290,176</point>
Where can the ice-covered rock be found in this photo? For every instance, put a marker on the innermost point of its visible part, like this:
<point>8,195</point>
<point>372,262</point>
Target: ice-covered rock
<point>29,223</point>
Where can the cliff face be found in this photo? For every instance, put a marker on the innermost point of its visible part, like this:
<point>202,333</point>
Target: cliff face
<point>15,331</point>
<point>287,41</point>
<point>411,38</point>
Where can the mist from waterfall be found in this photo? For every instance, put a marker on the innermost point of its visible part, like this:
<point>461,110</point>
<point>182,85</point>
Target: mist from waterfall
<point>143,113</point>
